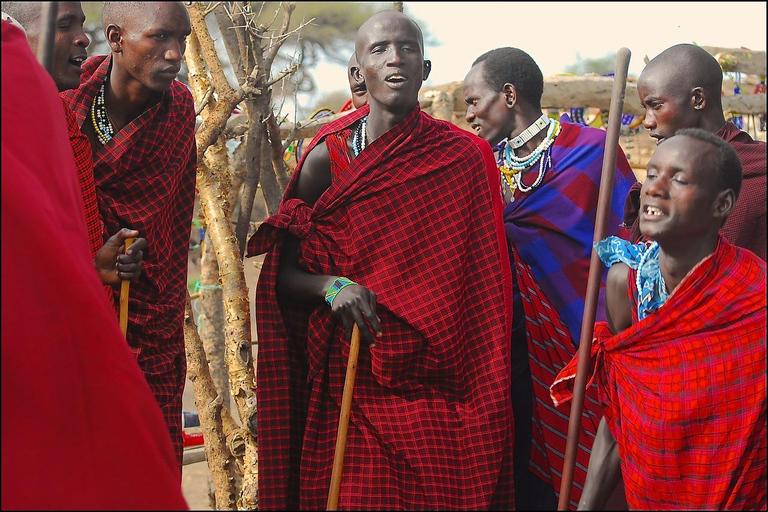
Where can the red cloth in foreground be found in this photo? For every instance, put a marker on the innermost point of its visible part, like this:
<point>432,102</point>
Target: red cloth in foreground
<point>81,429</point>
<point>685,390</point>
<point>550,349</point>
<point>746,225</point>
<point>416,219</point>
<point>145,180</point>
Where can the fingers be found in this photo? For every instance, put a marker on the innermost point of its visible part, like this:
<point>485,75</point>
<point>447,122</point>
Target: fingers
<point>128,266</point>
<point>357,305</point>
<point>118,239</point>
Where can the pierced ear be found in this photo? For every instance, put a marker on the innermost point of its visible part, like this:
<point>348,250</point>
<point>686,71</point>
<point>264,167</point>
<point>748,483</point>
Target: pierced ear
<point>724,203</point>
<point>114,38</point>
<point>356,74</point>
<point>427,69</point>
<point>699,98</point>
<point>510,93</point>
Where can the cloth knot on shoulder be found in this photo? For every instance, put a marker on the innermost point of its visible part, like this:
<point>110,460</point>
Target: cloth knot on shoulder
<point>298,218</point>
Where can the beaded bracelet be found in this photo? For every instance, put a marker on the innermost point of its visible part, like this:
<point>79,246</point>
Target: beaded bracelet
<point>338,284</point>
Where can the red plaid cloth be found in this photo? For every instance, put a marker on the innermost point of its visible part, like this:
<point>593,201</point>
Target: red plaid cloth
<point>80,428</point>
<point>416,219</point>
<point>84,164</point>
<point>81,148</point>
<point>746,225</point>
<point>145,180</point>
<point>686,392</point>
<point>550,348</point>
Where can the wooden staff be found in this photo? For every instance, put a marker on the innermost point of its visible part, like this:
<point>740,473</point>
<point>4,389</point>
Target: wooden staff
<point>124,288</point>
<point>48,14</point>
<point>341,435</point>
<point>595,270</point>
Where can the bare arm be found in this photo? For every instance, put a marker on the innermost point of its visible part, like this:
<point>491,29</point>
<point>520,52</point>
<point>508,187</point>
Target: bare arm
<point>353,304</point>
<point>618,307</point>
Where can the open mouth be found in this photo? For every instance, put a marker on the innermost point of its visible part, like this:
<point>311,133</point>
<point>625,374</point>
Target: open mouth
<point>475,127</point>
<point>652,211</point>
<point>77,61</point>
<point>396,78</point>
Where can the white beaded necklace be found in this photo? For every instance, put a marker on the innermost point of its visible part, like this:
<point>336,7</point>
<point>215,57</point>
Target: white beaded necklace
<point>529,132</point>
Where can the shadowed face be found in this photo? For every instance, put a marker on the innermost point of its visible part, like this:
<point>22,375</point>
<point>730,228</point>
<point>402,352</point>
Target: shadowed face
<point>69,44</point>
<point>487,110</point>
<point>151,44</point>
<point>391,59</point>
<point>679,197</point>
<point>358,89</point>
<point>667,107</point>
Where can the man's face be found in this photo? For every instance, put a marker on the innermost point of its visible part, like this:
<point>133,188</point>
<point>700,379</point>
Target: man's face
<point>69,44</point>
<point>667,107</point>
<point>679,195</point>
<point>153,44</point>
<point>392,62</point>
<point>487,111</point>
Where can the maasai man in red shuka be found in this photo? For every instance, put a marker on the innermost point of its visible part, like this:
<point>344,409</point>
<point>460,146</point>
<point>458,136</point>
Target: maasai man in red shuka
<point>141,124</point>
<point>69,50</point>
<point>550,174</point>
<point>394,218</point>
<point>681,88</point>
<point>81,430</point>
<point>683,377</point>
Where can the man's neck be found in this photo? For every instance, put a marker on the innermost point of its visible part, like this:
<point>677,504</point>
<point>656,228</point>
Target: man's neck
<point>713,123</point>
<point>527,119</point>
<point>678,260</point>
<point>381,120</point>
<point>126,98</point>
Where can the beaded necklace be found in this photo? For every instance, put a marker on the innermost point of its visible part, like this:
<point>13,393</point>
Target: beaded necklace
<point>512,166</point>
<point>102,125</point>
<point>360,139</point>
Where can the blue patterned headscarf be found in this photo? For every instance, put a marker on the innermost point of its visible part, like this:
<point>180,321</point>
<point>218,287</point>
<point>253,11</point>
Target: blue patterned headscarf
<point>644,258</point>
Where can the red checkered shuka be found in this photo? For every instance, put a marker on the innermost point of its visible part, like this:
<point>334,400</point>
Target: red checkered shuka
<point>685,390</point>
<point>550,348</point>
<point>145,180</point>
<point>745,226</point>
<point>81,148</point>
<point>417,220</point>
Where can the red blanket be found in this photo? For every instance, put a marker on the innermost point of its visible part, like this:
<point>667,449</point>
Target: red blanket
<point>80,428</point>
<point>145,180</point>
<point>417,220</point>
<point>685,390</point>
<point>550,348</point>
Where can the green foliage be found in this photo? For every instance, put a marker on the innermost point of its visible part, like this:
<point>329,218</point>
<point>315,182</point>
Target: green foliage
<point>600,65</point>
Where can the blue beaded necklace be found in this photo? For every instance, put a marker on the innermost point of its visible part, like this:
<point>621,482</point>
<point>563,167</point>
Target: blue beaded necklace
<point>360,139</point>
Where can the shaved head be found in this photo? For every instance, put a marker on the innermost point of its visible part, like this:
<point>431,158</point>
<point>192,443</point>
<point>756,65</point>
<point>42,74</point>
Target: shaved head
<point>26,13</point>
<point>117,13</point>
<point>686,66</point>
<point>379,17</point>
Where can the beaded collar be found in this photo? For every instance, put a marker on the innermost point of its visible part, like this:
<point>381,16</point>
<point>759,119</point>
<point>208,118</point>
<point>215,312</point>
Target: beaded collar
<point>529,132</point>
<point>102,125</point>
<point>511,166</point>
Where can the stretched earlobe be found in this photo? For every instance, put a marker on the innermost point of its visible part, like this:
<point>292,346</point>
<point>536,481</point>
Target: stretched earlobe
<point>699,98</point>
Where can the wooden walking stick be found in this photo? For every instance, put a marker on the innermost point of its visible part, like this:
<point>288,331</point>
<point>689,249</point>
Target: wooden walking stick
<point>124,288</point>
<point>48,14</point>
<point>595,269</point>
<point>341,434</point>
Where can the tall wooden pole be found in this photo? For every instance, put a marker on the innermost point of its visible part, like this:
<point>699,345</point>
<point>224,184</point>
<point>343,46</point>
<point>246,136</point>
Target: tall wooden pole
<point>595,270</point>
<point>48,14</point>
<point>341,434</point>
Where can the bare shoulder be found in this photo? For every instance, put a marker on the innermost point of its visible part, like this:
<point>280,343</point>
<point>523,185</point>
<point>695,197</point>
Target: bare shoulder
<point>618,307</point>
<point>315,174</point>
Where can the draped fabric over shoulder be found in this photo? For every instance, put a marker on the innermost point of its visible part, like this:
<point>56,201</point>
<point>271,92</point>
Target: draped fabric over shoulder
<point>416,218</point>
<point>685,391</point>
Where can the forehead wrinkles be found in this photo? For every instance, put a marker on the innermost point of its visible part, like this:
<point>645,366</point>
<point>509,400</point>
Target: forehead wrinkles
<point>388,30</point>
